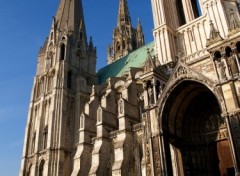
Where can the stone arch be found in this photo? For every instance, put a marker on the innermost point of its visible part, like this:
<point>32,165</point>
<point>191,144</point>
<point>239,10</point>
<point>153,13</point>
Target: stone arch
<point>41,167</point>
<point>193,130</point>
<point>118,46</point>
<point>173,84</point>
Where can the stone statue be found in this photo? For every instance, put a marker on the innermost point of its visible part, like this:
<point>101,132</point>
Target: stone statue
<point>150,96</point>
<point>221,68</point>
<point>120,107</point>
<point>233,65</point>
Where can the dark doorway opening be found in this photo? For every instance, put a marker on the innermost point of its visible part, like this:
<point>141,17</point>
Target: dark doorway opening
<point>195,132</point>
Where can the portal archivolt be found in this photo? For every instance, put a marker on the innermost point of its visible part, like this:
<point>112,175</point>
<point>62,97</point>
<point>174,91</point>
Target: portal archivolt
<point>194,132</point>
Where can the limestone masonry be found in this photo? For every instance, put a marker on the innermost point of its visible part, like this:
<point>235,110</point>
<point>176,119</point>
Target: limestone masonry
<point>168,108</point>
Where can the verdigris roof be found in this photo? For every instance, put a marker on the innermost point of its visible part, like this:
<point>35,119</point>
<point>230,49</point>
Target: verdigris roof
<point>135,59</point>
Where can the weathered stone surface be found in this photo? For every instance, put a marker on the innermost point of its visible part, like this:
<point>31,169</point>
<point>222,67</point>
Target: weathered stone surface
<point>176,115</point>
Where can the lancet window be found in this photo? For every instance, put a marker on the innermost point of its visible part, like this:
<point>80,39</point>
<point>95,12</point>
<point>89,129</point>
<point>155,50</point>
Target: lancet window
<point>62,51</point>
<point>187,10</point>
<point>41,168</point>
<point>180,11</point>
<point>196,8</point>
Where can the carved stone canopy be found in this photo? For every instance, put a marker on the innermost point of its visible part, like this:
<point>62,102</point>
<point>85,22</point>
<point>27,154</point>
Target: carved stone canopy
<point>214,35</point>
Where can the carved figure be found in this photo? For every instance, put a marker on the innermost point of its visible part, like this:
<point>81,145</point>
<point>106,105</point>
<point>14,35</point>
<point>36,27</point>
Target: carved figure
<point>150,96</point>
<point>120,107</point>
<point>221,68</point>
<point>233,65</point>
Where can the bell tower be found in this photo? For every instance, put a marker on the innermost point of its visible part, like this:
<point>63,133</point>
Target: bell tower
<point>181,27</point>
<point>125,37</point>
<point>65,73</point>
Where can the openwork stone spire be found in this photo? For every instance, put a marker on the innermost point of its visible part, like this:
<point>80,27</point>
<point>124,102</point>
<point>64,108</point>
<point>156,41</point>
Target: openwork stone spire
<point>125,37</point>
<point>123,14</point>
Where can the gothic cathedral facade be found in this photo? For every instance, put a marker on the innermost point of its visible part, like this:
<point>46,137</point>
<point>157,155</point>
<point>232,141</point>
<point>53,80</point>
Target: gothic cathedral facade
<point>168,108</point>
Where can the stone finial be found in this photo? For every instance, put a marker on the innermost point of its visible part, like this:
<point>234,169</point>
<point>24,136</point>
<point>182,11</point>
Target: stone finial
<point>214,35</point>
<point>149,65</point>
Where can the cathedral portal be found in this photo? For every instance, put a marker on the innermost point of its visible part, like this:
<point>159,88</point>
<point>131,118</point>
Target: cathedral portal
<point>195,134</point>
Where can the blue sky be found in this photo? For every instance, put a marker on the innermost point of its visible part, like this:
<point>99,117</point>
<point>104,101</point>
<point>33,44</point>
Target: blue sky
<point>24,25</point>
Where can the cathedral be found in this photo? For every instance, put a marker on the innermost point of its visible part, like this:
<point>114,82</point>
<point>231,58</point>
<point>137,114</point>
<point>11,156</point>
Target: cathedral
<point>167,108</point>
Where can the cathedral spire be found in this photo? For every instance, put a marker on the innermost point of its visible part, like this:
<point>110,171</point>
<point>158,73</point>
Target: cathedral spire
<point>70,15</point>
<point>140,35</point>
<point>66,70</point>
<point>123,14</point>
<point>125,37</point>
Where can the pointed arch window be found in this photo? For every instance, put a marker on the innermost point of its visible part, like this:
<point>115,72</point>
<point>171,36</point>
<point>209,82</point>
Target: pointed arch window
<point>62,51</point>
<point>41,168</point>
<point>118,47</point>
<point>51,36</point>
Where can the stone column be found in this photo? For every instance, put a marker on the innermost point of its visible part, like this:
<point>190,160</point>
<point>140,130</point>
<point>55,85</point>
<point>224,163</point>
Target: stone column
<point>226,66</point>
<point>145,95</point>
<point>154,90</point>
<point>164,170</point>
<point>233,143</point>
<point>237,61</point>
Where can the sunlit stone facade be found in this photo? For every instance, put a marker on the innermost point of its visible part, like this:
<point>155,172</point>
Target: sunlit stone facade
<point>171,107</point>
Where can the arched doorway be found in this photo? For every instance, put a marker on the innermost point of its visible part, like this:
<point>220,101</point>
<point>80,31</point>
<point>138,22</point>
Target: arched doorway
<point>194,132</point>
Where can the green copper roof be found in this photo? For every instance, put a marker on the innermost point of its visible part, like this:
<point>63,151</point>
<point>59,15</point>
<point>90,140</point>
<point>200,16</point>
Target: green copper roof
<point>135,59</point>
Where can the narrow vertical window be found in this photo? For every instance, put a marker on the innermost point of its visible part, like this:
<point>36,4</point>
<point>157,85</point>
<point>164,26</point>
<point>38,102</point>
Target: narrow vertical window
<point>196,8</point>
<point>180,11</point>
<point>41,168</point>
<point>62,52</point>
<point>118,46</point>
<point>29,170</point>
<point>81,35</point>
<point>81,122</point>
<point>45,134</point>
<point>69,80</point>
<point>33,142</point>
<point>51,36</point>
